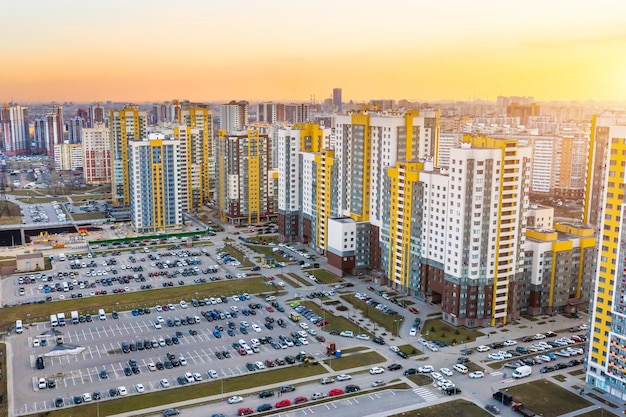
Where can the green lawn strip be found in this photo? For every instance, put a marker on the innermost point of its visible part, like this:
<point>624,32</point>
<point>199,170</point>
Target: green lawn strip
<point>324,276</point>
<point>245,263</point>
<point>546,398</point>
<point>4,405</point>
<point>92,197</point>
<point>301,279</point>
<point>13,216</point>
<point>354,349</point>
<point>456,408</point>
<point>410,350</point>
<point>598,412</point>
<point>88,216</point>
<point>420,379</point>
<point>354,360</point>
<point>194,391</point>
<point>383,320</point>
<point>289,281</point>
<point>440,330</point>
<point>339,323</point>
<point>267,250</point>
<point>32,313</point>
<point>264,238</point>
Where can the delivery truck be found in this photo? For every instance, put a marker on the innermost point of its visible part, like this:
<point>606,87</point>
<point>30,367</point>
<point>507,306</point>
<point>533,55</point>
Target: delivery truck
<point>522,371</point>
<point>74,317</point>
<point>61,319</point>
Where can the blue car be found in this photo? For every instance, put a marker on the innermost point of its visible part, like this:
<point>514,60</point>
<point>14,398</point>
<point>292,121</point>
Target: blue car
<point>217,334</point>
<point>135,312</point>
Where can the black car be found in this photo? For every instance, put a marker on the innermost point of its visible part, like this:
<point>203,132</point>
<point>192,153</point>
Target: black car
<point>462,360</point>
<point>52,383</point>
<point>97,395</point>
<point>159,366</point>
<point>394,367</point>
<point>40,363</point>
<point>265,394</point>
<point>290,360</point>
<point>559,366</point>
<point>58,403</point>
<point>78,399</point>
<point>546,369</point>
<point>402,354</point>
<point>352,388</point>
<point>264,407</point>
<point>410,371</point>
<point>113,392</point>
<point>104,374</point>
<point>226,354</point>
<point>466,352</point>
<point>181,380</point>
<point>128,371</point>
<point>574,362</point>
<point>378,341</point>
<point>452,391</point>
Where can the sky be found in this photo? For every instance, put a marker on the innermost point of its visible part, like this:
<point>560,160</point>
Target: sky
<point>218,50</point>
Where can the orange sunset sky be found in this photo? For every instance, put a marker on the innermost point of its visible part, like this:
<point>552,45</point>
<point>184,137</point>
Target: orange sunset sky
<point>212,50</point>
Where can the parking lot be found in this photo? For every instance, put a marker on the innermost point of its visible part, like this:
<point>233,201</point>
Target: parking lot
<point>97,346</point>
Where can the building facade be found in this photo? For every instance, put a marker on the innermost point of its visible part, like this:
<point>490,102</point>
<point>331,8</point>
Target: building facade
<point>234,116</point>
<point>68,156</point>
<point>605,209</point>
<point>154,172</point>
<point>201,154</point>
<point>247,185</point>
<point>14,130</point>
<point>96,146</point>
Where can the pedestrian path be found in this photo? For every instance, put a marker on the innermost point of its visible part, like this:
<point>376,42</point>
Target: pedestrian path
<point>424,394</point>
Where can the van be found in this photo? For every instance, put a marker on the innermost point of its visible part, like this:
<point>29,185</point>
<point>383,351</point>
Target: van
<point>18,326</point>
<point>460,368</point>
<point>522,371</point>
<point>53,320</point>
<point>61,256</point>
<point>66,287</point>
<point>101,314</point>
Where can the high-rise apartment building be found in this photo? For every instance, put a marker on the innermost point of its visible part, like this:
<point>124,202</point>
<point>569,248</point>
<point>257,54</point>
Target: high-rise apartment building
<point>126,125</point>
<point>305,180</point>
<point>366,144</point>
<point>154,177</point>
<point>234,116</point>
<point>247,189</point>
<point>605,209</point>
<point>96,115</point>
<point>200,154</point>
<point>48,131</point>
<point>271,112</point>
<point>14,130</point>
<point>68,156</point>
<point>455,236</point>
<point>74,127</point>
<point>337,99</point>
<point>96,146</point>
<point>298,113</point>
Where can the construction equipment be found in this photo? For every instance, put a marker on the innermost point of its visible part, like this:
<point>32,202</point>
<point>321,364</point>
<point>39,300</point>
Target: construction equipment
<point>331,348</point>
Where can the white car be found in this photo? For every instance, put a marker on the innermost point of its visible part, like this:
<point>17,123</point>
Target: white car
<point>256,328</point>
<point>171,307</point>
<point>496,357</point>
<point>362,336</point>
<point>376,370</point>
<point>347,333</point>
<point>165,383</point>
<point>183,304</point>
<point>183,361</point>
<point>425,369</point>
<point>234,308</point>
<point>36,343</point>
<point>122,390</point>
<point>304,326</point>
<point>197,376</point>
<point>483,348</point>
<point>140,388</point>
<point>212,373</point>
<point>343,377</point>
<point>86,397</point>
<point>510,343</point>
<point>158,308</point>
<point>157,325</point>
<point>446,371</point>
<point>379,383</point>
<point>280,283</point>
<point>189,377</point>
<point>244,323</point>
<point>318,395</point>
<point>413,331</point>
<point>152,367</point>
<point>235,399</point>
<point>476,374</point>
<point>42,383</point>
<point>539,336</point>
<point>161,342</point>
<point>395,349</point>
<point>160,319</point>
<point>436,375</point>
<point>259,365</point>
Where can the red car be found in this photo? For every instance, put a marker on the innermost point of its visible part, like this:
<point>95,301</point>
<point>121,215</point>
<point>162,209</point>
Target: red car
<point>245,411</point>
<point>299,400</point>
<point>270,309</point>
<point>270,278</point>
<point>283,403</point>
<point>335,391</point>
<point>269,363</point>
<point>413,310</point>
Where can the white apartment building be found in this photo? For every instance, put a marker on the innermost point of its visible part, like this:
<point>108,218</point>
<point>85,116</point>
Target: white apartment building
<point>96,146</point>
<point>68,156</point>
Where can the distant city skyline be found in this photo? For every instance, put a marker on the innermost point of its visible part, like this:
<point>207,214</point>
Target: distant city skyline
<point>291,51</point>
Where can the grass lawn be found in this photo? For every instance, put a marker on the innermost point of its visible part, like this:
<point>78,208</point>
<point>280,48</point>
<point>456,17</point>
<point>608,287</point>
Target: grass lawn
<point>324,276</point>
<point>438,329</point>
<point>4,405</point>
<point>245,263</point>
<point>354,349</point>
<point>289,281</point>
<point>384,320</point>
<point>546,398</point>
<point>198,390</point>
<point>301,279</point>
<point>598,412</point>
<point>87,216</point>
<point>13,217</point>
<point>42,200</point>
<point>92,197</point>
<point>334,322</point>
<point>457,408</point>
<point>354,360</point>
<point>420,379</point>
<point>127,301</point>
<point>410,350</point>
<point>267,250</point>
<point>264,238</point>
